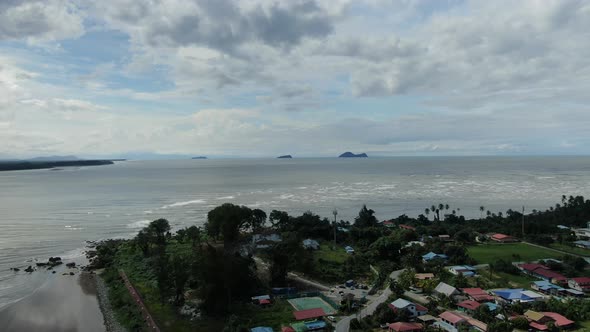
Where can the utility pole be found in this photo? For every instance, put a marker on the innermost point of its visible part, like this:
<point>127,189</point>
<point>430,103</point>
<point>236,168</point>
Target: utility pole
<point>335,213</point>
<point>523,222</point>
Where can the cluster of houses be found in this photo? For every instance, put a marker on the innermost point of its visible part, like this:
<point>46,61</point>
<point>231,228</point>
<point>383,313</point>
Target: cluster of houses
<point>469,300</point>
<point>554,283</point>
<point>305,320</point>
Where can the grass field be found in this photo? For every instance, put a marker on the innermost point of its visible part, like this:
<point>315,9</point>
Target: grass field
<point>279,313</point>
<point>570,249</point>
<point>326,253</point>
<point>512,252</point>
<point>304,303</point>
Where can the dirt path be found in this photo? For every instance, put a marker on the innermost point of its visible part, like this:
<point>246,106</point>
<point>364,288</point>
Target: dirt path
<point>149,321</point>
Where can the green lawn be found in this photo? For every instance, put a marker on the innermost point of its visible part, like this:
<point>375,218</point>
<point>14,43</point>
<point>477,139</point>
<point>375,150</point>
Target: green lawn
<point>275,316</point>
<point>584,326</point>
<point>512,252</point>
<point>326,253</point>
<point>570,249</point>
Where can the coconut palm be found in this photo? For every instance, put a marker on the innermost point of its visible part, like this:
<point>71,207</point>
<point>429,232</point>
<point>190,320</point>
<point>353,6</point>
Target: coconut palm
<point>481,209</point>
<point>427,212</point>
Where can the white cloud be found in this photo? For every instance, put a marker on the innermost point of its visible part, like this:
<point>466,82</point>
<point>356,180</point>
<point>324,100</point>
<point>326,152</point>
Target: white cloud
<point>34,20</point>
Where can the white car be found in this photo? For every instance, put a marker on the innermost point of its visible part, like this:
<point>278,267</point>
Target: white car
<point>331,318</point>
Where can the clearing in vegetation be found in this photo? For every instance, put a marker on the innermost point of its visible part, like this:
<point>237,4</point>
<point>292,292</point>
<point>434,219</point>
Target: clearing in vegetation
<point>511,252</point>
<point>304,303</point>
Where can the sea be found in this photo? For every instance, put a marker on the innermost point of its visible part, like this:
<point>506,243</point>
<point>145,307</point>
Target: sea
<point>47,213</point>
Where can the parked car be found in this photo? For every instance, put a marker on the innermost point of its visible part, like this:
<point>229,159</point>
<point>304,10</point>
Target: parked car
<point>331,318</point>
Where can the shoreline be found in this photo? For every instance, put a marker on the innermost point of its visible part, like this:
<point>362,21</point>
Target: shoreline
<point>64,303</point>
<point>71,298</point>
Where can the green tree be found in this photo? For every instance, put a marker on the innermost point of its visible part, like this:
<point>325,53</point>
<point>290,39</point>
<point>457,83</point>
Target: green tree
<point>366,218</point>
<point>407,278</point>
<point>194,234</point>
<point>159,228</point>
<point>180,275</point>
<point>227,220</point>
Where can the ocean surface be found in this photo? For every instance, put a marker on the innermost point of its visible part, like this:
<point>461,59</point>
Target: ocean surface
<point>53,212</point>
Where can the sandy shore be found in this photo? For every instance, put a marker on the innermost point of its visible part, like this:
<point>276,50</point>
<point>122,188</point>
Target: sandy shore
<point>64,303</point>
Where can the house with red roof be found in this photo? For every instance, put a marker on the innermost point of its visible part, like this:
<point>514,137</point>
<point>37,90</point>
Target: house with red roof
<point>581,284</point>
<point>287,329</point>
<point>539,321</point>
<point>543,272</point>
<point>309,314</point>
<point>468,306</point>
<point>450,321</point>
<point>388,223</point>
<point>503,238</point>
<point>477,294</point>
<point>407,227</point>
<point>405,327</point>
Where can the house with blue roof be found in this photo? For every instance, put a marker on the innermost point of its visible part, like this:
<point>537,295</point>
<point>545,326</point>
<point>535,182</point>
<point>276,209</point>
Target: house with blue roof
<point>261,329</point>
<point>431,256</point>
<point>315,325</point>
<point>582,244</point>
<point>516,295</point>
<point>465,270</point>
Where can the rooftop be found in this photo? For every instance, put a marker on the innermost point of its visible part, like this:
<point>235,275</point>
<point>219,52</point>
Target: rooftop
<point>403,326</point>
<point>469,304</point>
<point>451,317</point>
<point>559,319</point>
<point>309,313</point>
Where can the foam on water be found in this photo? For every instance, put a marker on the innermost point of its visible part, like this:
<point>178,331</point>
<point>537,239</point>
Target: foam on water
<point>177,204</point>
<point>139,224</point>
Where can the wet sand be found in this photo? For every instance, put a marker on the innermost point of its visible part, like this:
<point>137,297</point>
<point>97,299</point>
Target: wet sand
<point>65,303</point>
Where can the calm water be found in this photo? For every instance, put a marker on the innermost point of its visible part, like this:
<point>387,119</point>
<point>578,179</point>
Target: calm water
<point>45,213</point>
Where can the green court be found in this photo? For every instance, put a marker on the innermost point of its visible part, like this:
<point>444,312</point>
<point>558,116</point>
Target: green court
<point>304,303</point>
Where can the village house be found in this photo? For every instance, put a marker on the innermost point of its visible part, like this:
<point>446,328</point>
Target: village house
<point>581,284</point>
<point>477,294</point>
<point>539,321</point>
<point>443,289</point>
<point>424,276</point>
<point>414,310</point>
<point>517,295</point>
<point>464,270</point>
<point>450,321</point>
<point>311,244</point>
<point>543,272</point>
<point>468,306</point>
<point>582,244</point>
<point>431,256</point>
<point>407,227</point>
<point>503,238</point>
<point>405,327</point>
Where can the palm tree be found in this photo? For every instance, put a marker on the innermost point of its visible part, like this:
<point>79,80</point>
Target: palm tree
<point>427,212</point>
<point>454,212</point>
<point>481,209</point>
<point>447,206</point>
<point>488,213</point>
<point>437,214</point>
<point>440,208</point>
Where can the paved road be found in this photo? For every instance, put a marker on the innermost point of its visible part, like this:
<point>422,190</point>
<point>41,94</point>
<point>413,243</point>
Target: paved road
<point>344,324</point>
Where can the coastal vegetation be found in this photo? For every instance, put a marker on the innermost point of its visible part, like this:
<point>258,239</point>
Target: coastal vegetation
<point>27,165</point>
<point>202,279</point>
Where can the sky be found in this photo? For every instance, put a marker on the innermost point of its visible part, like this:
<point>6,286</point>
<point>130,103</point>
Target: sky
<point>259,78</point>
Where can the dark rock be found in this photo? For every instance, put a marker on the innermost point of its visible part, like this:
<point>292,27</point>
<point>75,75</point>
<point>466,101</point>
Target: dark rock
<point>54,259</point>
<point>352,155</point>
<point>29,269</point>
<point>71,264</point>
<point>15,269</point>
<point>52,271</point>
<point>42,264</point>
<point>72,273</point>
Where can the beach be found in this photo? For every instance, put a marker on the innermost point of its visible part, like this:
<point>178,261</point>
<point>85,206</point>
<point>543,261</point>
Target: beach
<point>64,303</point>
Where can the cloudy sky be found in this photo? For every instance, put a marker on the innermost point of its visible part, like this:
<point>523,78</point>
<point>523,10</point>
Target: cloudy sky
<point>304,77</point>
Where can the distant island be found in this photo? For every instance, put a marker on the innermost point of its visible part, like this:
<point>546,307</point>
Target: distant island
<point>287,156</point>
<point>199,157</point>
<point>352,155</point>
<point>19,165</point>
